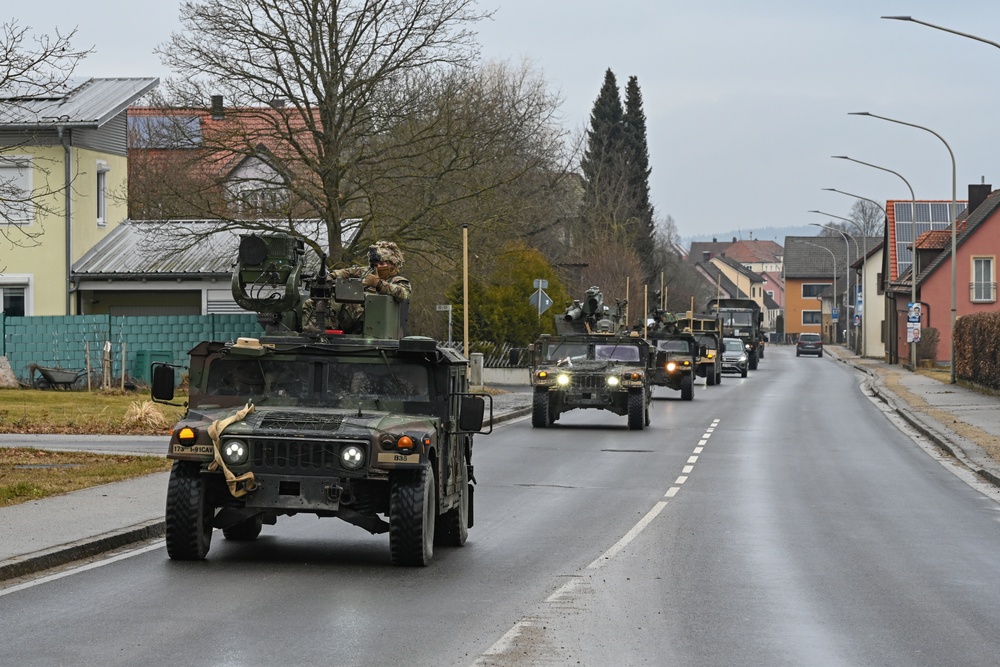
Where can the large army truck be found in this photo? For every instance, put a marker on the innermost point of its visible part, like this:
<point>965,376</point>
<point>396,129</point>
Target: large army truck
<point>743,319</point>
<point>374,428</point>
<point>591,363</point>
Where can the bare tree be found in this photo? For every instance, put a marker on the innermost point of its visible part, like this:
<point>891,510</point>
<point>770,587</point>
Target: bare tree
<point>31,66</point>
<point>367,111</point>
<point>870,216</point>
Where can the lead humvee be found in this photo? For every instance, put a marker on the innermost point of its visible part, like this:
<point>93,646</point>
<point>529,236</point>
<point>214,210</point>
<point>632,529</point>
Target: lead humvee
<point>374,428</point>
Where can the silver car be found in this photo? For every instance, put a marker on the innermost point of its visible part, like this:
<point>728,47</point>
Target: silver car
<point>734,357</point>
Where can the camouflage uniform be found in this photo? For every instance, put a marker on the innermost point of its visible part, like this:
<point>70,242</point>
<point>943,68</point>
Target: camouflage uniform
<point>378,280</point>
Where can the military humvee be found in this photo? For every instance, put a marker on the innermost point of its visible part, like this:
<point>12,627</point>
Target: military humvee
<point>675,364</point>
<point>592,362</point>
<point>306,419</point>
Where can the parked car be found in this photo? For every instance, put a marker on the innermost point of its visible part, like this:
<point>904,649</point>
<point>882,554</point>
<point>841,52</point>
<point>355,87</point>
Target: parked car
<point>735,358</point>
<point>809,343</point>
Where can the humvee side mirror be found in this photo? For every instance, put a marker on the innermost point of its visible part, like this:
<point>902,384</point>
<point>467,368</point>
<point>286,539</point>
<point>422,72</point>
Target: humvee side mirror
<point>472,409</point>
<point>163,383</point>
<point>703,351</point>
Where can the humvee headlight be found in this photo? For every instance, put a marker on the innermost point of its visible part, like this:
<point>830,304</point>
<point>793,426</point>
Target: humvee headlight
<point>562,380</point>
<point>235,452</point>
<point>671,366</point>
<point>352,457</point>
<point>612,381</point>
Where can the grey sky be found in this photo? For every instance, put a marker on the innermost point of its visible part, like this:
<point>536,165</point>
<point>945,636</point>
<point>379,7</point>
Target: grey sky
<point>745,101</point>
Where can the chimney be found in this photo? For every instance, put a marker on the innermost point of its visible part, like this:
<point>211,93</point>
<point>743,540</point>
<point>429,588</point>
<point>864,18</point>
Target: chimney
<point>978,194</point>
<point>277,103</point>
<point>217,109</point>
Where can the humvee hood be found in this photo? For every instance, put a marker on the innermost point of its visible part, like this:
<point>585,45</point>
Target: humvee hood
<point>325,420</point>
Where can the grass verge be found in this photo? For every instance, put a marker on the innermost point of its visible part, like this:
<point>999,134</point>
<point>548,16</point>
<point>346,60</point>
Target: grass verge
<point>29,474</point>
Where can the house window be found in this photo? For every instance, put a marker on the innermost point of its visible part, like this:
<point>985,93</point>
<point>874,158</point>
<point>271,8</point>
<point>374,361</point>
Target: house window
<point>12,298</point>
<point>812,317</point>
<point>983,288</point>
<point>16,204</point>
<point>813,290</point>
<point>102,192</point>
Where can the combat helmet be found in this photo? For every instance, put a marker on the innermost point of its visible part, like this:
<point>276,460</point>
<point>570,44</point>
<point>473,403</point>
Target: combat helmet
<point>386,251</point>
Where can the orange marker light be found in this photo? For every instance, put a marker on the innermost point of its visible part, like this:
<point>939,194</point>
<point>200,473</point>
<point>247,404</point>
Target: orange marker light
<point>187,436</point>
<point>404,442</point>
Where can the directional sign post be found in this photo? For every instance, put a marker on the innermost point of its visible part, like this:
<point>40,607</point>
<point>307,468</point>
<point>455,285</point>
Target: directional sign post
<point>446,307</point>
<point>541,301</point>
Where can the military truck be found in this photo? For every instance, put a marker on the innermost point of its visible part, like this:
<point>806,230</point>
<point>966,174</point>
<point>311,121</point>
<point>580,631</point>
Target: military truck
<point>591,363</point>
<point>706,329</point>
<point>675,363</point>
<point>374,428</point>
<point>743,319</point>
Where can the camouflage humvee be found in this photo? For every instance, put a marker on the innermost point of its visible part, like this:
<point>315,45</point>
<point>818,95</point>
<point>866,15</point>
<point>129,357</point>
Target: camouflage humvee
<point>375,429</point>
<point>675,364</point>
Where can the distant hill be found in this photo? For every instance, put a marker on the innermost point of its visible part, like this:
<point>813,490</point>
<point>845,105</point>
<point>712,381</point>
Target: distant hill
<point>776,234</point>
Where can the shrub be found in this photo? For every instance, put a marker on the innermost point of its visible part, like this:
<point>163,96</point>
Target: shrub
<point>928,344</point>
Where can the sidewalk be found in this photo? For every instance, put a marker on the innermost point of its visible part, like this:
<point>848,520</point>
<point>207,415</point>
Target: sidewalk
<point>51,532</point>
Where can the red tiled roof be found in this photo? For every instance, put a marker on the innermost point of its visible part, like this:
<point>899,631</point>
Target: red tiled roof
<point>936,239</point>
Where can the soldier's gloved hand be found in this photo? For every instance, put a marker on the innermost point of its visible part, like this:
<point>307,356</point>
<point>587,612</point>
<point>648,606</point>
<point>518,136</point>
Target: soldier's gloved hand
<point>371,280</point>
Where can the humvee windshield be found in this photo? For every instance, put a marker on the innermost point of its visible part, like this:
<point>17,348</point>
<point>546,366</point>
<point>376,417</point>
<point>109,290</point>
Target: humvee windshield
<point>616,352</point>
<point>674,345</point>
<point>563,351</point>
<point>313,382</point>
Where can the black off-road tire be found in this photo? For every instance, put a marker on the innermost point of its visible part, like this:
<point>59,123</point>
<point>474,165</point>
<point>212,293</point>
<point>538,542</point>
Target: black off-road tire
<point>412,516</point>
<point>687,388</point>
<point>636,410</point>
<point>453,526</point>
<point>710,378</point>
<point>718,377</point>
<point>188,514</point>
<point>245,531</point>
<point>752,363</point>
<point>541,413</point>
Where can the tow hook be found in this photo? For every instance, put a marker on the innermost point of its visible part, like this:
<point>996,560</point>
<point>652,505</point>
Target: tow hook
<point>333,493</point>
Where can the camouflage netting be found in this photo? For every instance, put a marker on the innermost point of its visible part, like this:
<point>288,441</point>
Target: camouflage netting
<point>977,349</point>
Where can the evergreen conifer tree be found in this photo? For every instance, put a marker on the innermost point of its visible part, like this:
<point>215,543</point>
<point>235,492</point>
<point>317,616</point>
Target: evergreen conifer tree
<point>636,150</point>
<point>602,158</point>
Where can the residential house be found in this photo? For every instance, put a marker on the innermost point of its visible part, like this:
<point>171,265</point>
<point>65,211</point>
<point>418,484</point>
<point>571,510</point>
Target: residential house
<point>977,238</point>
<point>814,265</point>
<point>728,279</point>
<point>872,327</point>
<point>765,258</point>
<point>64,155</point>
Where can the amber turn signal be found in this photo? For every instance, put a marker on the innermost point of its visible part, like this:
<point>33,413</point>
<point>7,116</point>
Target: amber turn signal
<point>404,442</point>
<point>187,436</point>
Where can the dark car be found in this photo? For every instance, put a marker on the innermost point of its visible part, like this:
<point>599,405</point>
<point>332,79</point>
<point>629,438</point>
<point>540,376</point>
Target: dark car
<point>734,356</point>
<point>809,343</point>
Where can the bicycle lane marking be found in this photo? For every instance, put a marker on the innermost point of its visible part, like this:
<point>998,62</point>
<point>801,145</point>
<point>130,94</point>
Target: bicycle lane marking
<point>529,626</point>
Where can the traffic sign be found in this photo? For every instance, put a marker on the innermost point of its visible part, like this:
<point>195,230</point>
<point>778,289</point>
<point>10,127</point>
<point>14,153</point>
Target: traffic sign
<point>541,283</point>
<point>835,314</point>
<point>541,301</point>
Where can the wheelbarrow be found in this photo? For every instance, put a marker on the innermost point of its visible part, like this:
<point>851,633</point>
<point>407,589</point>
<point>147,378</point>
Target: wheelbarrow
<point>54,378</point>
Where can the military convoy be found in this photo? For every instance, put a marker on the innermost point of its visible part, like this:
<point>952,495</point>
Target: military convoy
<point>591,362</point>
<point>373,428</point>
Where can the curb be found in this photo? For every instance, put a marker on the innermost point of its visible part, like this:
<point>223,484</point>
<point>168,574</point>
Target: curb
<point>93,546</point>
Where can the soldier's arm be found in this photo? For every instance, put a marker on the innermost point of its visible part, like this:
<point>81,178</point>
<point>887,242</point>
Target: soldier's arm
<point>397,287</point>
<point>349,272</point>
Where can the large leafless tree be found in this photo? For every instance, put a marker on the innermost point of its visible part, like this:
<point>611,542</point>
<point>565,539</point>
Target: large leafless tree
<point>370,110</point>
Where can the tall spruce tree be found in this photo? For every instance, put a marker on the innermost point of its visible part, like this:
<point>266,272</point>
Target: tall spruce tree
<point>636,157</point>
<point>602,158</point>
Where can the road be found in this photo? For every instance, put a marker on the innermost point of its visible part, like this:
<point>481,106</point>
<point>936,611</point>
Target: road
<point>779,519</point>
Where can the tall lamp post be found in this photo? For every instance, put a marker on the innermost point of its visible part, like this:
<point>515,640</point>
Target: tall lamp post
<point>954,293</point>
<point>847,273</point>
<point>881,208</point>
<point>913,251</point>
<point>864,263</point>
<point>834,257</point>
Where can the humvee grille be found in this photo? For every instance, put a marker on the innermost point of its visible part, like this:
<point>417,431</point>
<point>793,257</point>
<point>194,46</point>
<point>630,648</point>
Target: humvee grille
<point>301,421</point>
<point>588,381</point>
<point>295,456</point>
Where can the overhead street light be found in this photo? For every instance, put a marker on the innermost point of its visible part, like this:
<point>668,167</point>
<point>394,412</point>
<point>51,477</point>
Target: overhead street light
<point>864,263</point>
<point>937,27</point>
<point>954,215</point>
<point>881,208</point>
<point>913,250</point>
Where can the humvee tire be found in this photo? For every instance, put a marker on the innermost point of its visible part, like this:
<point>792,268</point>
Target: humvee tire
<point>412,505</point>
<point>718,378</point>
<point>540,412</point>
<point>636,410</point>
<point>753,361</point>
<point>710,377</point>
<point>452,528</point>
<point>188,515</point>
<point>687,389</point>
<point>245,530</point>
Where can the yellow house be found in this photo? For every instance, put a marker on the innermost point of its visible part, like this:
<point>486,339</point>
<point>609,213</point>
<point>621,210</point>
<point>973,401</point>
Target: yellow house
<point>63,186</point>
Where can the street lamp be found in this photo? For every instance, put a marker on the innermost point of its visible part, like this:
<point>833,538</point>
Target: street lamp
<point>954,294</point>
<point>882,208</point>
<point>913,250</point>
<point>847,273</point>
<point>834,257</point>
<point>937,27</point>
<point>864,265</point>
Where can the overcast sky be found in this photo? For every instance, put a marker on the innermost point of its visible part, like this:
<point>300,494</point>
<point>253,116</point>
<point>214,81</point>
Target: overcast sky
<point>745,101</point>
